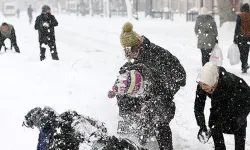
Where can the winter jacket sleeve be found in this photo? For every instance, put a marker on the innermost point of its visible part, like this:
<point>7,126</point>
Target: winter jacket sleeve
<point>43,142</point>
<point>38,23</point>
<point>199,106</point>
<point>214,27</point>
<point>1,39</point>
<point>177,72</point>
<point>237,29</point>
<point>54,22</point>
<point>196,28</point>
<point>13,36</point>
<point>242,102</point>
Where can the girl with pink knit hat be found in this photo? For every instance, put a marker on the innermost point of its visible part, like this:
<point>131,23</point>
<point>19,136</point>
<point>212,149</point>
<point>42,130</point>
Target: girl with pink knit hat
<point>156,107</point>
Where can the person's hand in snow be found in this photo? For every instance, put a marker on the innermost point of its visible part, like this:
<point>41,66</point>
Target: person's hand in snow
<point>203,134</point>
<point>111,94</point>
<point>46,24</point>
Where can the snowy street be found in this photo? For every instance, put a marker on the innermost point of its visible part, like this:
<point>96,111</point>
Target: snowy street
<point>90,56</point>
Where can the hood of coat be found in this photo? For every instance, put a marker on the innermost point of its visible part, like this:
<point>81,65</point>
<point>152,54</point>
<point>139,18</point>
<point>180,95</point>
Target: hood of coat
<point>42,118</point>
<point>205,18</point>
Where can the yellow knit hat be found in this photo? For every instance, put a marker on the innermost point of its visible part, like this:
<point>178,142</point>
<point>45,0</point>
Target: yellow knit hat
<point>128,37</point>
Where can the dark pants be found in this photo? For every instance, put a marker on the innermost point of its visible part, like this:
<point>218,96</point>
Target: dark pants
<point>205,55</point>
<point>30,18</point>
<point>240,139</point>
<point>244,46</point>
<point>164,137</point>
<point>53,50</point>
<point>13,44</point>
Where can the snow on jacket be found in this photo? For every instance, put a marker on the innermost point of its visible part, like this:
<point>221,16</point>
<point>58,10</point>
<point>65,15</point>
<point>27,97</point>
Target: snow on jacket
<point>64,131</point>
<point>45,120</point>
<point>164,62</point>
<point>45,140</point>
<point>230,103</point>
<point>156,102</point>
<point>206,31</point>
<point>46,34</point>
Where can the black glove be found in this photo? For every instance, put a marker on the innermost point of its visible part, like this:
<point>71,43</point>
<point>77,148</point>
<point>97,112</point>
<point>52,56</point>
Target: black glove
<point>203,134</point>
<point>203,129</point>
<point>182,83</point>
<point>235,40</point>
<point>124,67</point>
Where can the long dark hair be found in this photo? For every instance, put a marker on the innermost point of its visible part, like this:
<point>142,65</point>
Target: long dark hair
<point>245,8</point>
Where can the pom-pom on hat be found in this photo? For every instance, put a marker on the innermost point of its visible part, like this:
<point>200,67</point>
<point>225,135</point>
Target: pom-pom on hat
<point>128,37</point>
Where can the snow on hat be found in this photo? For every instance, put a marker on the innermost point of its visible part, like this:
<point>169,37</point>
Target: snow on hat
<point>209,74</point>
<point>203,11</point>
<point>128,37</point>
<point>131,82</point>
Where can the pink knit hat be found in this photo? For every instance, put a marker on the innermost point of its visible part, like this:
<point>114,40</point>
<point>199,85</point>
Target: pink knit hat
<point>131,82</point>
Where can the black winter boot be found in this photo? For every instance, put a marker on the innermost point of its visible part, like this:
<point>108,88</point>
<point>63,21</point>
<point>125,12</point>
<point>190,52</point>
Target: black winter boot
<point>244,70</point>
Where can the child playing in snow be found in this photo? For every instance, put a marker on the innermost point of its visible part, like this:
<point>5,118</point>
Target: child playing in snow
<point>71,131</point>
<point>156,109</point>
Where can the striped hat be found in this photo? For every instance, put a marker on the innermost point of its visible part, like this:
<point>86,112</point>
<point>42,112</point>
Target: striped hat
<point>131,83</point>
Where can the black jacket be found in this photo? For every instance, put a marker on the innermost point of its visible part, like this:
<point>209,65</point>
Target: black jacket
<point>163,61</point>
<point>46,34</point>
<point>229,102</point>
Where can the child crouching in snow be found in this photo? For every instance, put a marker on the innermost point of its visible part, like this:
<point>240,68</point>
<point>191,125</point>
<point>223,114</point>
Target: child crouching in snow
<point>71,131</point>
<point>145,85</point>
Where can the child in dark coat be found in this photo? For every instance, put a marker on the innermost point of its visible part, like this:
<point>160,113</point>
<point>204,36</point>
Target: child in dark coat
<point>157,106</point>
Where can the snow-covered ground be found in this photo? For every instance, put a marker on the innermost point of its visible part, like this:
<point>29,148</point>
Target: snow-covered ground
<point>90,56</point>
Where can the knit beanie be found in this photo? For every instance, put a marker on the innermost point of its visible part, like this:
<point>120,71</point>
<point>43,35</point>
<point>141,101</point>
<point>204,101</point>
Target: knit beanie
<point>128,37</point>
<point>203,11</point>
<point>45,8</point>
<point>209,74</point>
<point>131,82</point>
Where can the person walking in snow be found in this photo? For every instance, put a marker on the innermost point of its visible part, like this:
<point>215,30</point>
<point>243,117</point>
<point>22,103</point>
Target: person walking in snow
<point>242,35</point>
<point>18,13</point>
<point>8,32</point>
<point>30,13</point>
<point>45,24</point>
<point>72,131</point>
<point>206,32</point>
<point>156,108</point>
<point>230,105</point>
